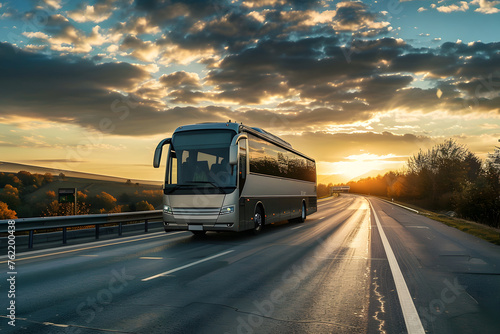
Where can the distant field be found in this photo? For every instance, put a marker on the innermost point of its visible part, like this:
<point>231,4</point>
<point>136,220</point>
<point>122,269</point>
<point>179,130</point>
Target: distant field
<point>127,192</point>
<point>90,187</point>
<point>11,167</point>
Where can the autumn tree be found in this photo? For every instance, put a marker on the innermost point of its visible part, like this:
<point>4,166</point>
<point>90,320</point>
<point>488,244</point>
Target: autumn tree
<point>102,202</point>
<point>10,178</point>
<point>10,196</point>
<point>144,206</point>
<point>6,213</point>
<point>52,209</point>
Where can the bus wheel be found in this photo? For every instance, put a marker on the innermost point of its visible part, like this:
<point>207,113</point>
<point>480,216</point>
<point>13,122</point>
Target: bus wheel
<point>303,214</point>
<point>258,220</point>
<point>199,233</point>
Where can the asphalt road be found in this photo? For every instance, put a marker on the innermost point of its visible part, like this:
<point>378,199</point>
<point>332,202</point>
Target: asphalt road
<point>335,273</point>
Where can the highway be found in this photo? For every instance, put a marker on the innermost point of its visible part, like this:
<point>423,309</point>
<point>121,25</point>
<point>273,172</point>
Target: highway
<point>335,273</point>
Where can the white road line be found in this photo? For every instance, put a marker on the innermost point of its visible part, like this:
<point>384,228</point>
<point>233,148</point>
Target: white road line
<point>187,265</point>
<point>151,258</point>
<point>410,314</point>
<point>92,247</point>
<point>297,227</point>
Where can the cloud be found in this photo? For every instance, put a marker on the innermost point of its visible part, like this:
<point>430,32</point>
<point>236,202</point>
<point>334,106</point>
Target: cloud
<point>52,4</point>
<point>66,89</point>
<point>201,29</point>
<point>338,146</point>
<point>310,67</point>
<point>263,3</point>
<point>462,7</point>
<point>487,6</point>
<point>181,79</point>
<point>136,26</point>
<point>146,51</point>
<point>484,6</point>
<point>183,87</point>
<point>98,12</point>
<point>64,37</point>
<point>354,16</point>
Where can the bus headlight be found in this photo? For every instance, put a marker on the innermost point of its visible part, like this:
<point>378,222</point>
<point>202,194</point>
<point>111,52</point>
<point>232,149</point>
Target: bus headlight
<point>227,209</point>
<point>167,209</point>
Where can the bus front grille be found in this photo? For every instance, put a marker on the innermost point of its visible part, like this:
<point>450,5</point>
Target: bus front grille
<point>196,211</point>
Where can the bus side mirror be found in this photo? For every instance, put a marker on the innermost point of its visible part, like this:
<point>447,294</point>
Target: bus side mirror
<point>159,148</point>
<point>233,155</point>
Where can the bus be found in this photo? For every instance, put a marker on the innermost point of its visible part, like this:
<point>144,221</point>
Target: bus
<point>232,177</point>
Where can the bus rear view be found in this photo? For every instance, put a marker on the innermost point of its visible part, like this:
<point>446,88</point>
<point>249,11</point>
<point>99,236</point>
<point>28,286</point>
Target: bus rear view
<point>230,177</point>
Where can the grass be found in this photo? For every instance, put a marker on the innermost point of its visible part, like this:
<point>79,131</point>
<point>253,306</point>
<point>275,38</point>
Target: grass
<point>482,231</point>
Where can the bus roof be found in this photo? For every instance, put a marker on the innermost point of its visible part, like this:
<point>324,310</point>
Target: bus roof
<point>209,126</point>
<point>238,128</point>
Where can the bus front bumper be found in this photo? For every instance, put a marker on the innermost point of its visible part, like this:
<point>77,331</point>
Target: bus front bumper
<point>200,220</point>
<point>221,227</point>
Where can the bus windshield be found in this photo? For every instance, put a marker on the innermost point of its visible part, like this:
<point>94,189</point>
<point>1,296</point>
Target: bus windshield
<point>200,159</point>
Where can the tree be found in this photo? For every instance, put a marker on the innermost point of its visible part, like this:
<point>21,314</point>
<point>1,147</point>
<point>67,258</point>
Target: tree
<point>6,213</point>
<point>55,208</point>
<point>26,178</point>
<point>52,209</point>
<point>442,171</point>
<point>494,158</point>
<point>47,178</point>
<point>322,191</point>
<point>480,200</point>
<point>9,179</point>
<point>81,196</point>
<point>144,206</point>
<point>102,202</point>
<point>10,196</point>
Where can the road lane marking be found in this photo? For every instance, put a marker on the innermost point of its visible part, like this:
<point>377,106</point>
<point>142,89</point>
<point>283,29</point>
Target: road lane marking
<point>187,265</point>
<point>410,314</point>
<point>297,227</point>
<point>151,258</point>
<point>92,247</point>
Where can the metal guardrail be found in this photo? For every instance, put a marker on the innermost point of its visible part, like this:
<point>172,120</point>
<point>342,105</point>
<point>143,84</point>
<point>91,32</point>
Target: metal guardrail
<point>47,223</point>
<point>402,206</point>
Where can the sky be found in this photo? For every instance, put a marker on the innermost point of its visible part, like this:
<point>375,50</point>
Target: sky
<point>360,86</point>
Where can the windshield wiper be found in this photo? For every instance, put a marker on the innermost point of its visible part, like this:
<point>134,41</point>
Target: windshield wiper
<point>177,186</point>
<point>211,183</point>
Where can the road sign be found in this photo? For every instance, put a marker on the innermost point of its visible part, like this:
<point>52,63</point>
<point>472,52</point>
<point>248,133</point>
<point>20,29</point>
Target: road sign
<point>67,195</point>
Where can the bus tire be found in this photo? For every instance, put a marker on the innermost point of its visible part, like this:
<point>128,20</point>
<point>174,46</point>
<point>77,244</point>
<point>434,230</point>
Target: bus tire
<point>303,213</point>
<point>258,220</point>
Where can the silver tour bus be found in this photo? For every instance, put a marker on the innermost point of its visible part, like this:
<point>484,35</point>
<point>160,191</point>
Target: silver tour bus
<point>231,177</point>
